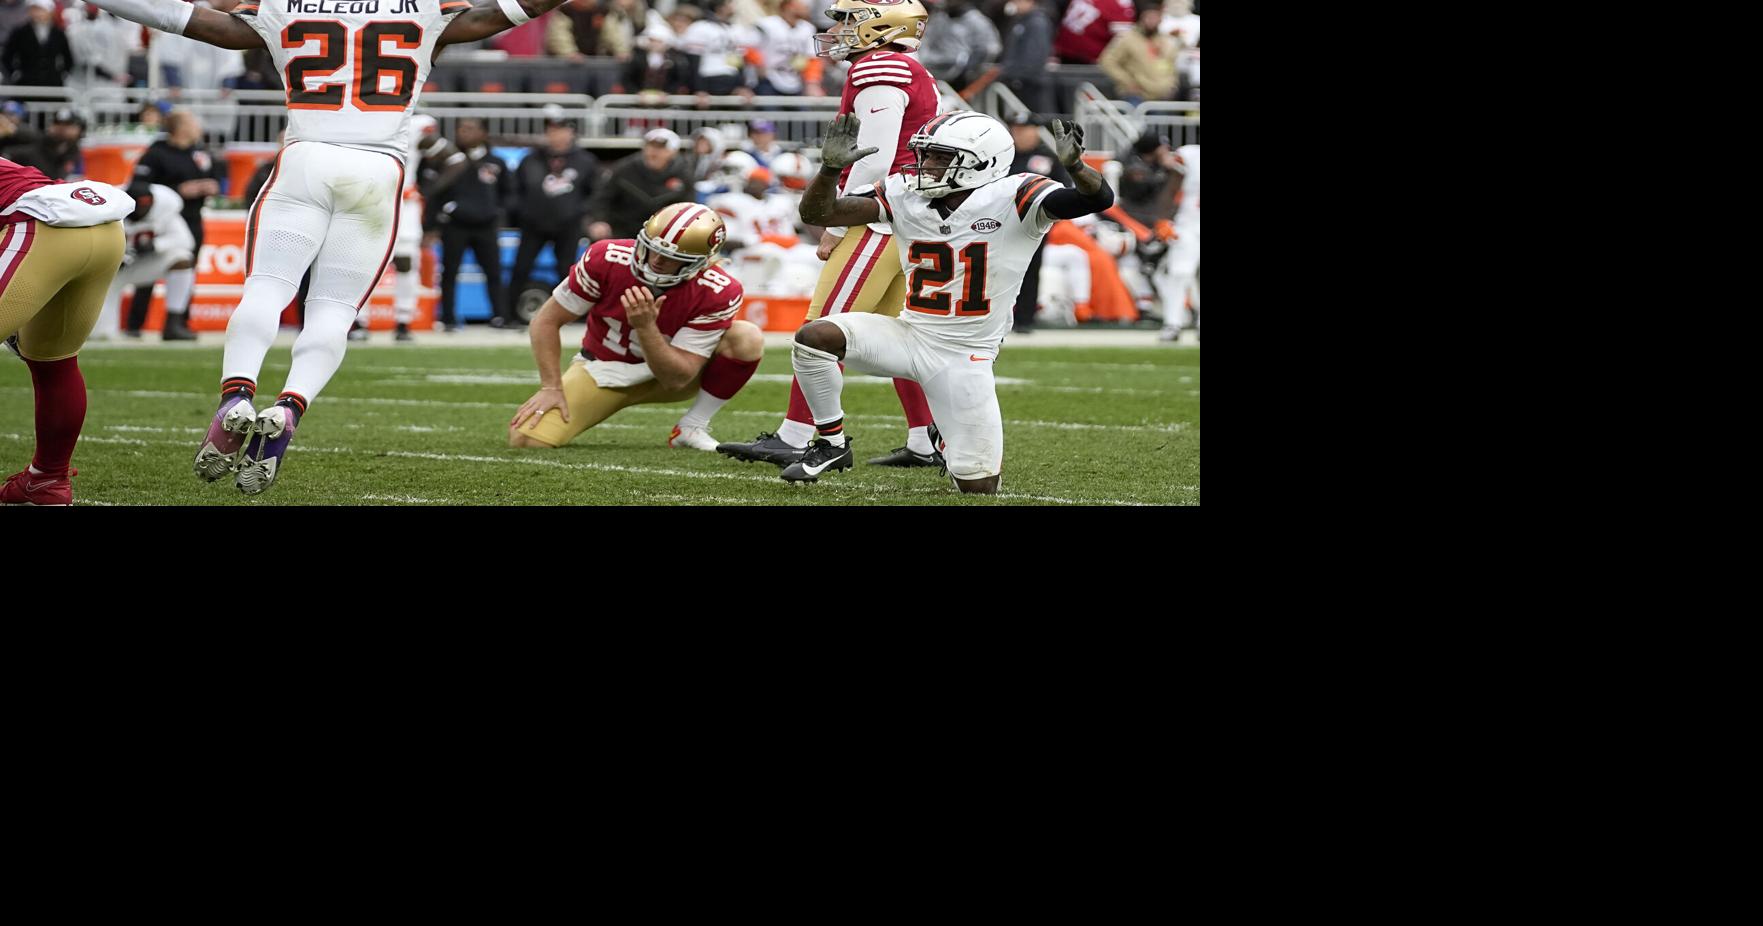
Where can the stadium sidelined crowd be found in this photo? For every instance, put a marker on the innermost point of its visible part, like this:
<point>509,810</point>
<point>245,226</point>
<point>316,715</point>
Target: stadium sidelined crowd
<point>733,214</point>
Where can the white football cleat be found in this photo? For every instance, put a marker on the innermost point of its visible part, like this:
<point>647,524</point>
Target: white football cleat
<point>695,438</point>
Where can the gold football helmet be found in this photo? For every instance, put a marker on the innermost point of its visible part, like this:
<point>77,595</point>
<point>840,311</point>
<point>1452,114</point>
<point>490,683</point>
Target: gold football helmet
<point>863,25</point>
<point>686,232</point>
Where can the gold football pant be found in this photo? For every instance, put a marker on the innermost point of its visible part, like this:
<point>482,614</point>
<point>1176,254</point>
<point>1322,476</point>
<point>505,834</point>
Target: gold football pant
<point>862,275</point>
<point>52,284</point>
<point>591,403</point>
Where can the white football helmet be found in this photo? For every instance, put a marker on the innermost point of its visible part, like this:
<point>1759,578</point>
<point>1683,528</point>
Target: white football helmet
<point>980,147</point>
<point>793,171</point>
<point>734,168</point>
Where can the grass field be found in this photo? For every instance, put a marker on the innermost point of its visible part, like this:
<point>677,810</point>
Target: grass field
<point>419,424</point>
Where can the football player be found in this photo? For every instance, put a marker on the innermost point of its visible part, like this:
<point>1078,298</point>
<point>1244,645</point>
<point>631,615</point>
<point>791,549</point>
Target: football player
<point>1182,265</point>
<point>159,243</point>
<point>965,229</point>
<point>661,328</point>
<point>895,97</point>
<point>353,72</point>
<point>60,244</point>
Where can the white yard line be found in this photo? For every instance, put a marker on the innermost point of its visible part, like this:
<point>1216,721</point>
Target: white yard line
<point>595,467</point>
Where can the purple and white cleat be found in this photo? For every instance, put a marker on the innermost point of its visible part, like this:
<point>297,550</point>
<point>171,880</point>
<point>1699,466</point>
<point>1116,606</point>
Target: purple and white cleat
<point>263,456</point>
<point>224,446</point>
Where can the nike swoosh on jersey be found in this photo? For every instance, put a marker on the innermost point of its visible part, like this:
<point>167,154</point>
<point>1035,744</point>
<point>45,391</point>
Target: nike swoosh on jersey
<point>874,111</point>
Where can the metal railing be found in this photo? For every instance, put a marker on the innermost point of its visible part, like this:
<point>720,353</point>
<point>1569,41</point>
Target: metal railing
<point>1106,123</point>
<point>1178,122</point>
<point>612,120</point>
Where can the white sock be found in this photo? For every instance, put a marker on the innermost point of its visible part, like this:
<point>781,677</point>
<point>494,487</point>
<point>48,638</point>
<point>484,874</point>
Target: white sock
<point>795,433</point>
<point>918,440</point>
<point>252,328</point>
<point>818,373</point>
<point>179,284</point>
<point>837,440</point>
<point>318,352</point>
<point>698,416</point>
<point>403,296</point>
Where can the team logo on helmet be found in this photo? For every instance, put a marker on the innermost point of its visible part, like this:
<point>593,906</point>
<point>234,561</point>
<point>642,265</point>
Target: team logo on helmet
<point>87,195</point>
<point>717,236</point>
<point>987,225</point>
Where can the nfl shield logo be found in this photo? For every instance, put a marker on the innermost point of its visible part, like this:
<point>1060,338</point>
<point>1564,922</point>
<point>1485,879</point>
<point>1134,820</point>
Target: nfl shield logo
<point>943,228</point>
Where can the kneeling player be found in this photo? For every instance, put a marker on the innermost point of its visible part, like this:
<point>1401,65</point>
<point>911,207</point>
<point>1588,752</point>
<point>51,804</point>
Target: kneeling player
<point>661,328</point>
<point>60,244</point>
<point>964,272</point>
<point>159,246</point>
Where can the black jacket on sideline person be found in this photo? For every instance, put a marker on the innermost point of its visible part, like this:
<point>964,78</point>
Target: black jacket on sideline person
<point>478,196</point>
<point>167,164</point>
<point>633,192</point>
<point>30,63</point>
<point>554,190</point>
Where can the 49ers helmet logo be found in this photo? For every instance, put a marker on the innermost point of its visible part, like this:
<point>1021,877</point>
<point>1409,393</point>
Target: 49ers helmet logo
<point>717,236</point>
<point>87,195</point>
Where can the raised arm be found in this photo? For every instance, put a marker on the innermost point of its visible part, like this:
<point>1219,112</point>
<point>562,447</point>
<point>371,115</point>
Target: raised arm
<point>821,204</point>
<point>222,30</point>
<point>488,17</point>
<point>1087,193</point>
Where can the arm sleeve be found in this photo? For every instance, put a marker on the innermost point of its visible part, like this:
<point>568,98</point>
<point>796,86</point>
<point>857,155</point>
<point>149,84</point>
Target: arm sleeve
<point>879,130</point>
<point>1068,203</point>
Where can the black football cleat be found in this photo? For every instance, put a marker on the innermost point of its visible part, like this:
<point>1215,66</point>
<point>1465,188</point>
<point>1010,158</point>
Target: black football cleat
<point>820,457</point>
<point>766,448</point>
<point>904,457</point>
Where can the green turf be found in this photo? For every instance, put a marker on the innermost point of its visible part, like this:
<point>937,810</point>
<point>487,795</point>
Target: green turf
<point>428,425</point>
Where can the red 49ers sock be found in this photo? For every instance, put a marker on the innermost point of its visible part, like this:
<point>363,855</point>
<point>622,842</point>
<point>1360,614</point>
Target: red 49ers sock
<point>723,377</point>
<point>913,401</point>
<point>61,411</point>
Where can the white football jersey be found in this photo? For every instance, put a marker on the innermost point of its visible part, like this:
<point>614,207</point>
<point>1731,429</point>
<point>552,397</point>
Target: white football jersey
<point>353,68</point>
<point>1190,181</point>
<point>963,272</point>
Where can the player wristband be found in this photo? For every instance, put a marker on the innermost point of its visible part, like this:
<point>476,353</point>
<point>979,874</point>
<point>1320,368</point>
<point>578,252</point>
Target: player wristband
<point>164,15</point>
<point>512,10</point>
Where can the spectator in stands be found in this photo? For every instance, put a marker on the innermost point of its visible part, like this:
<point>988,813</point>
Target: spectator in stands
<point>37,54</point>
<point>259,72</point>
<point>189,64</point>
<point>152,114</point>
<point>681,19</point>
<point>553,188</point>
<point>1027,47</point>
<point>13,13</point>
<point>959,42</point>
<point>1032,156</point>
<point>469,212</point>
<point>624,22</point>
<point>1141,61</point>
<point>639,185</point>
<point>15,131</point>
<point>1148,180</point>
<point>101,46</point>
<point>762,142</point>
<point>658,67</point>
<point>1088,27</point>
<point>57,154</point>
<point>180,161</point>
<point>721,49</point>
<point>707,148</point>
<point>786,48</point>
<point>573,29</point>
